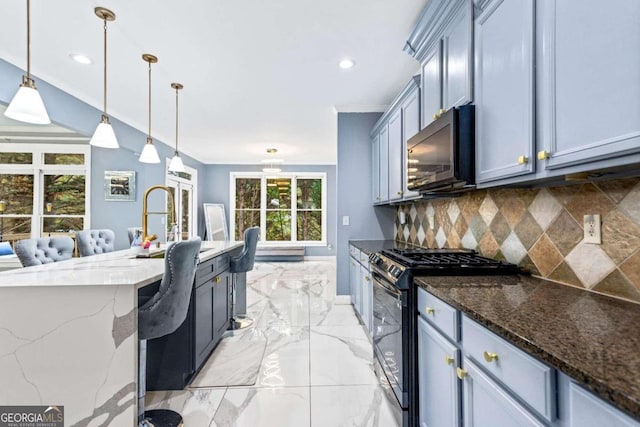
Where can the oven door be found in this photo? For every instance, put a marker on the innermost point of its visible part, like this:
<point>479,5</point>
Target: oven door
<point>389,310</point>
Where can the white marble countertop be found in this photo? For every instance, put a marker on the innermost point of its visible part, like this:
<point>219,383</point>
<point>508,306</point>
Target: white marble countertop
<point>114,268</point>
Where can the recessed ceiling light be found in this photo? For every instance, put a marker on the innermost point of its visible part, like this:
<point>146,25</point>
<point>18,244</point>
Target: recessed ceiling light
<point>346,63</point>
<point>82,59</point>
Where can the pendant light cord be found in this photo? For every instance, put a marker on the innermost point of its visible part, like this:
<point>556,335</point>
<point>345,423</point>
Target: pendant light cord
<point>105,68</point>
<point>177,119</point>
<point>28,39</point>
<point>149,99</point>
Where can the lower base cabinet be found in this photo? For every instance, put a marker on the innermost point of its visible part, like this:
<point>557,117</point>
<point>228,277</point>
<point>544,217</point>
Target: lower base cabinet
<point>211,315</point>
<point>439,388</point>
<point>485,403</point>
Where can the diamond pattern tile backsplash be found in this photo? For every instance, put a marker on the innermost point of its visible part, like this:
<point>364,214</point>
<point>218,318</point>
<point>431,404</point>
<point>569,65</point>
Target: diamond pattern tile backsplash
<point>541,230</point>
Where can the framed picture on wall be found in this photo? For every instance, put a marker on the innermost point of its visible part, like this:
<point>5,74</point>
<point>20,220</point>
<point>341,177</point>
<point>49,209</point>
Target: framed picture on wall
<point>120,186</point>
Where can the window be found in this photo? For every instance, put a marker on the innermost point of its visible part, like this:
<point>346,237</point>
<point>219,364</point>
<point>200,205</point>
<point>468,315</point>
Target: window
<point>287,207</point>
<point>43,190</point>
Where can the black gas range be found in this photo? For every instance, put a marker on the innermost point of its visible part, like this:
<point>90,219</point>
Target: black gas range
<point>395,312</point>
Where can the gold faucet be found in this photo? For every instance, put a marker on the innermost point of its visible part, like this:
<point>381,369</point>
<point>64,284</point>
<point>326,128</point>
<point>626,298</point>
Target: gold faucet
<point>145,214</point>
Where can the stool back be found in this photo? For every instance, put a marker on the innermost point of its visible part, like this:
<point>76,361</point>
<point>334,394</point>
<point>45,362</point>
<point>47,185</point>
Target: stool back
<point>44,250</point>
<point>92,242</point>
<point>244,261</point>
<point>167,308</point>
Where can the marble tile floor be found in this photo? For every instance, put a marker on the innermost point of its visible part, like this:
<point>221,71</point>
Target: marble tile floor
<point>317,369</point>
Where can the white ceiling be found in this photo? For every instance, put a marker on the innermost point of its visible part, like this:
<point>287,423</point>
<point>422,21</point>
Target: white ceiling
<point>257,73</point>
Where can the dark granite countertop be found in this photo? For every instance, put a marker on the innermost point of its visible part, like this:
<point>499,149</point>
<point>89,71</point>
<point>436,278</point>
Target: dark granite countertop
<point>593,339</point>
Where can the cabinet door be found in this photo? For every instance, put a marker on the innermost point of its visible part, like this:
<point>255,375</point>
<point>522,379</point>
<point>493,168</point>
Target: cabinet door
<point>384,164</point>
<point>504,85</point>
<point>395,155</point>
<point>375,169</point>
<point>410,127</point>
<point>590,82</point>
<point>485,403</point>
<point>220,304</point>
<point>431,75</point>
<point>588,410</point>
<point>438,385</point>
<point>367,297</point>
<point>354,277</point>
<point>203,305</point>
<point>457,51</point>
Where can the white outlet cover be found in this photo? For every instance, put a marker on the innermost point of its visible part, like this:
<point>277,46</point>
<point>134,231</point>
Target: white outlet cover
<point>592,229</point>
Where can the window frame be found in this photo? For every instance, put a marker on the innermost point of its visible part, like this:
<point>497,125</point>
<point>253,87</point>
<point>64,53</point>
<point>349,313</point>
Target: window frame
<point>293,176</point>
<point>38,169</point>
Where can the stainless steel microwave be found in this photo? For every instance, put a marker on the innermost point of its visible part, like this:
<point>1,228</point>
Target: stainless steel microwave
<point>441,156</point>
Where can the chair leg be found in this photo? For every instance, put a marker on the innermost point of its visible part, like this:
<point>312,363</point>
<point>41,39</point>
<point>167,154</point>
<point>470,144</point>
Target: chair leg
<point>157,417</point>
<point>239,319</point>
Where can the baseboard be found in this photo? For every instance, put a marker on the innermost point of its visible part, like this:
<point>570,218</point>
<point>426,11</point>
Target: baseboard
<point>320,258</point>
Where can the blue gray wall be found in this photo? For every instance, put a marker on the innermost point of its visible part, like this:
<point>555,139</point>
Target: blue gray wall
<point>354,191</point>
<point>216,190</point>
<point>68,111</point>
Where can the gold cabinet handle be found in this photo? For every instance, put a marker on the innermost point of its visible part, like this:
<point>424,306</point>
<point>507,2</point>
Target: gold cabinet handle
<point>543,155</point>
<point>441,112</point>
<point>461,373</point>
<point>217,279</point>
<point>435,116</point>
<point>490,357</point>
<point>429,310</point>
<point>448,359</point>
<point>523,160</point>
<point>367,278</point>
<point>399,193</point>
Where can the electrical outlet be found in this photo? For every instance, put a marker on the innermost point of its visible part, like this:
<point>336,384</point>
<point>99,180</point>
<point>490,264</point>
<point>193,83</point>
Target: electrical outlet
<point>345,220</point>
<point>592,233</point>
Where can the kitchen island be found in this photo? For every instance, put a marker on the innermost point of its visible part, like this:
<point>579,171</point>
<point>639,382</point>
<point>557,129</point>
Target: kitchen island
<point>68,333</point>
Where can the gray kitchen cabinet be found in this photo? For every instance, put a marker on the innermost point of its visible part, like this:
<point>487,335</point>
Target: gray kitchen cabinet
<point>410,127</point>
<point>431,73</point>
<point>504,90</point>
<point>367,297</point>
<point>438,385</point>
<point>590,81</point>
<point>389,149</point>
<point>443,40</point>
<point>485,403</point>
<point>395,156</point>
<point>375,168</point>
<point>587,410</point>
<point>457,54</point>
<point>384,164</point>
<point>354,281</point>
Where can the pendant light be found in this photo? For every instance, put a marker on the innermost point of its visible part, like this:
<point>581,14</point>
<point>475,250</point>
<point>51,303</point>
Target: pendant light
<point>176,164</point>
<point>104,136</point>
<point>149,153</point>
<point>26,105</point>
<point>272,164</point>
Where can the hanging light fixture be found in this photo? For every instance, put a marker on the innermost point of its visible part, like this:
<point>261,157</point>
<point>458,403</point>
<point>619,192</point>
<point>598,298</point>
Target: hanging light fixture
<point>176,164</point>
<point>272,164</point>
<point>149,153</point>
<point>104,135</point>
<point>26,105</point>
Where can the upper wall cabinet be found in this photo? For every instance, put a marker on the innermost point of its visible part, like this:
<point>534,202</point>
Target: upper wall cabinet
<point>590,81</point>
<point>504,89</point>
<point>389,144</point>
<point>443,43</point>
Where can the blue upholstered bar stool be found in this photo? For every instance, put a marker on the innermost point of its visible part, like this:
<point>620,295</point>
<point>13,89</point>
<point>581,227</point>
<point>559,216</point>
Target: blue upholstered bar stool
<point>162,315</point>
<point>93,242</point>
<point>44,250</point>
<point>239,265</point>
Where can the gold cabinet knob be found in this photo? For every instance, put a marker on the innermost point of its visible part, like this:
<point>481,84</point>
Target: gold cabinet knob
<point>543,155</point>
<point>441,112</point>
<point>367,278</point>
<point>400,193</point>
<point>523,160</point>
<point>430,310</point>
<point>435,116</point>
<point>461,373</point>
<point>448,359</point>
<point>490,357</point>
